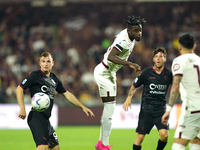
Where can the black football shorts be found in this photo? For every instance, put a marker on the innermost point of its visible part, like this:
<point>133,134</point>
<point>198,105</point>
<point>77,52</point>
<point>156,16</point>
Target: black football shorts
<point>42,131</point>
<point>147,120</point>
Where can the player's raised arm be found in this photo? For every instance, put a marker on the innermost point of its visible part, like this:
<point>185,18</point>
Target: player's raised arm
<point>20,100</point>
<point>113,57</point>
<point>73,100</point>
<point>127,103</point>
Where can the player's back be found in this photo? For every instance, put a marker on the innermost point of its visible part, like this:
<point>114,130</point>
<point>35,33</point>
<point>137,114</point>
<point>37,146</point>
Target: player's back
<point>188,65</point>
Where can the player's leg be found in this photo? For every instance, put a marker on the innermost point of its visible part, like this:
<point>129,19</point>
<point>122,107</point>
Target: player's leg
<point>42,147</point>
<point>186,130</point>
<point>106,119</point>
<point>163,139</point>
<point>195,143</point>
<point>39,128</point>
<point>163,131</point>
<point>138,141</point>
<point>145,125</point>
<point>107,90</point>
<point>179,144</point>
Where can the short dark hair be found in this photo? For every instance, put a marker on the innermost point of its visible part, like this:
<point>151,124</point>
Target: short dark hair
<point>134,21</point>
<point>160,49</point>
<point>187,40</point>
<point>46,54</point>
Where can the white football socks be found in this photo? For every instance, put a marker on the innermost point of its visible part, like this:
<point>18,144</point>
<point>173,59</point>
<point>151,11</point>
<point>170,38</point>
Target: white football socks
<point>176,146</point>
<point>106,122</point>
<point>194,146</point>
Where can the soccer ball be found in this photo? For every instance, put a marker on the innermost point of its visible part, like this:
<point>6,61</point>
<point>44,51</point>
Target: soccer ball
<point>40,102</point>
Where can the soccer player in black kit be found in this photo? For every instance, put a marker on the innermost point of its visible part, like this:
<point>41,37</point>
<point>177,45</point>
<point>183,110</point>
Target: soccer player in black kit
<point>43,80</point>
<point>155,81</point>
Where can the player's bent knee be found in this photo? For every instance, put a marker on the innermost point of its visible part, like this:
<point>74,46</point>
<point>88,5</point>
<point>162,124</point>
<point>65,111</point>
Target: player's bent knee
<point>176,146</point>
<point>164,137</point>
<point>194,146</point>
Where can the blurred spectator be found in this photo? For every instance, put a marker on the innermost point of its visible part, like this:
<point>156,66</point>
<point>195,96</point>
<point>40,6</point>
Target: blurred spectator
<point>78,35</point>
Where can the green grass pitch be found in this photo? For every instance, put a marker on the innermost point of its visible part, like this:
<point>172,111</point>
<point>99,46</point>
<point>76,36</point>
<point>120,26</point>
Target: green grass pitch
<point>81,138</point>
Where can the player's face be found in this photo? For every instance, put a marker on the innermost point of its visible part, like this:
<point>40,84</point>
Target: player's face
<point>159,60</point>
<point>135,33</point>
<point>46,64</point>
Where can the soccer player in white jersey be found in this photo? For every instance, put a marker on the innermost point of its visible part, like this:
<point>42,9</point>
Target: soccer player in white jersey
<point>105,73</point>
<point>186,80</point>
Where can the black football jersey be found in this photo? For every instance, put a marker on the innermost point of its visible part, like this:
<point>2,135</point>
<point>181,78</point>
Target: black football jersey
<point>155,87</point>
<point>37,81</point>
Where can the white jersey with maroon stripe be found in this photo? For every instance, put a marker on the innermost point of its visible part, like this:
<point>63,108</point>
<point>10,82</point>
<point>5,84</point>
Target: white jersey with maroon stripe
<point>188,66</point>
<point>123,44</point>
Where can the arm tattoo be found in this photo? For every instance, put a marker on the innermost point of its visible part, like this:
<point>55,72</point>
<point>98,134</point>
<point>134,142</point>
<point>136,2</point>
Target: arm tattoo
<point>174,93</point>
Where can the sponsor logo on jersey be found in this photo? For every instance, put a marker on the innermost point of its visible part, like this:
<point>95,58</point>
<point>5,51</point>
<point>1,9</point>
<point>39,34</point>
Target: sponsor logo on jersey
<point>159,86</point>
<point>155,89</point>
<point>24,81</point>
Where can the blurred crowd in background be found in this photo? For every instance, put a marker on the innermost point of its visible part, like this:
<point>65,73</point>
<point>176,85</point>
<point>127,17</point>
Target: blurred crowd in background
<point>78,34</point>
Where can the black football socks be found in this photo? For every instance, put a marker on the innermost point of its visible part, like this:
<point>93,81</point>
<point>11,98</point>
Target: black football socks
<point>161,145</point>
<point>135,147</point>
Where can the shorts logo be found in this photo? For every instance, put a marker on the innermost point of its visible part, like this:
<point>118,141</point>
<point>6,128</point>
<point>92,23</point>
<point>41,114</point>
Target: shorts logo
<point>176,67</point>
<point>24,81</point>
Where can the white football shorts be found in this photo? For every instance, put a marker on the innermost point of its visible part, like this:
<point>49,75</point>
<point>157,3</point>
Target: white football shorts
<point>188,125</point>
<point>106,81</point>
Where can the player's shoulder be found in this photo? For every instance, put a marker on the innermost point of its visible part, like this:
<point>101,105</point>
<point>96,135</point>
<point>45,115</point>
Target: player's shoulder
<point>147,70</point>
<point>54,76</point>
<point>122,36</point>
<point>167,70</point>
<point>33,73</point>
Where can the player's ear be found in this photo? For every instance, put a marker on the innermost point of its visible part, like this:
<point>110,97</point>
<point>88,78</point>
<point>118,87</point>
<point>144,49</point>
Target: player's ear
<point>128,30</point>
<point>179,47</point>
<point>39,63</point>
<point>52,63</point>
<point>195,46</point>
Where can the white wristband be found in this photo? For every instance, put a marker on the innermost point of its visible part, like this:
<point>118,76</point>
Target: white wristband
<point>169,108</point>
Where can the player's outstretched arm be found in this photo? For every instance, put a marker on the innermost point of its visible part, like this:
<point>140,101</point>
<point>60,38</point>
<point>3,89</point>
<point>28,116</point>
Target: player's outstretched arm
<point>113,57</point>
<point>20,100</point>
<point>127,103</point>
<point>73,100</point>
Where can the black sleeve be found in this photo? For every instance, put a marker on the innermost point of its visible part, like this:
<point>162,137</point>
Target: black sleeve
<point>60,88</point>
<point>139,80</point>
<point>28,81</point>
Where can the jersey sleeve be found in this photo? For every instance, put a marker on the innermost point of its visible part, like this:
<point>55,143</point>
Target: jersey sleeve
<point>28,81</point>
<point>177,67</point>
<point>120,45</point>
<point>139,80</point>
<point>60,88</point>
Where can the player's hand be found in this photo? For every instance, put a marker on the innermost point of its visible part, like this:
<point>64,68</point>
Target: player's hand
<point>135,66</point>
<point>88,112</point>
<point>126,105</point>
<point>165,118</point>
<point>22,114</point>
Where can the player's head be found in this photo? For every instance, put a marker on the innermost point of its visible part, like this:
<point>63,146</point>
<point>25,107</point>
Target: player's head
<point>187,42</point>
<point>159,57</point>
<point>46,62</point>
<point>134,27</point>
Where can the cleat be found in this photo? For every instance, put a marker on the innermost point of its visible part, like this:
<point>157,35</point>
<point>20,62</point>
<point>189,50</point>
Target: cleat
<point>103,147</point>
<point>98,145</point>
